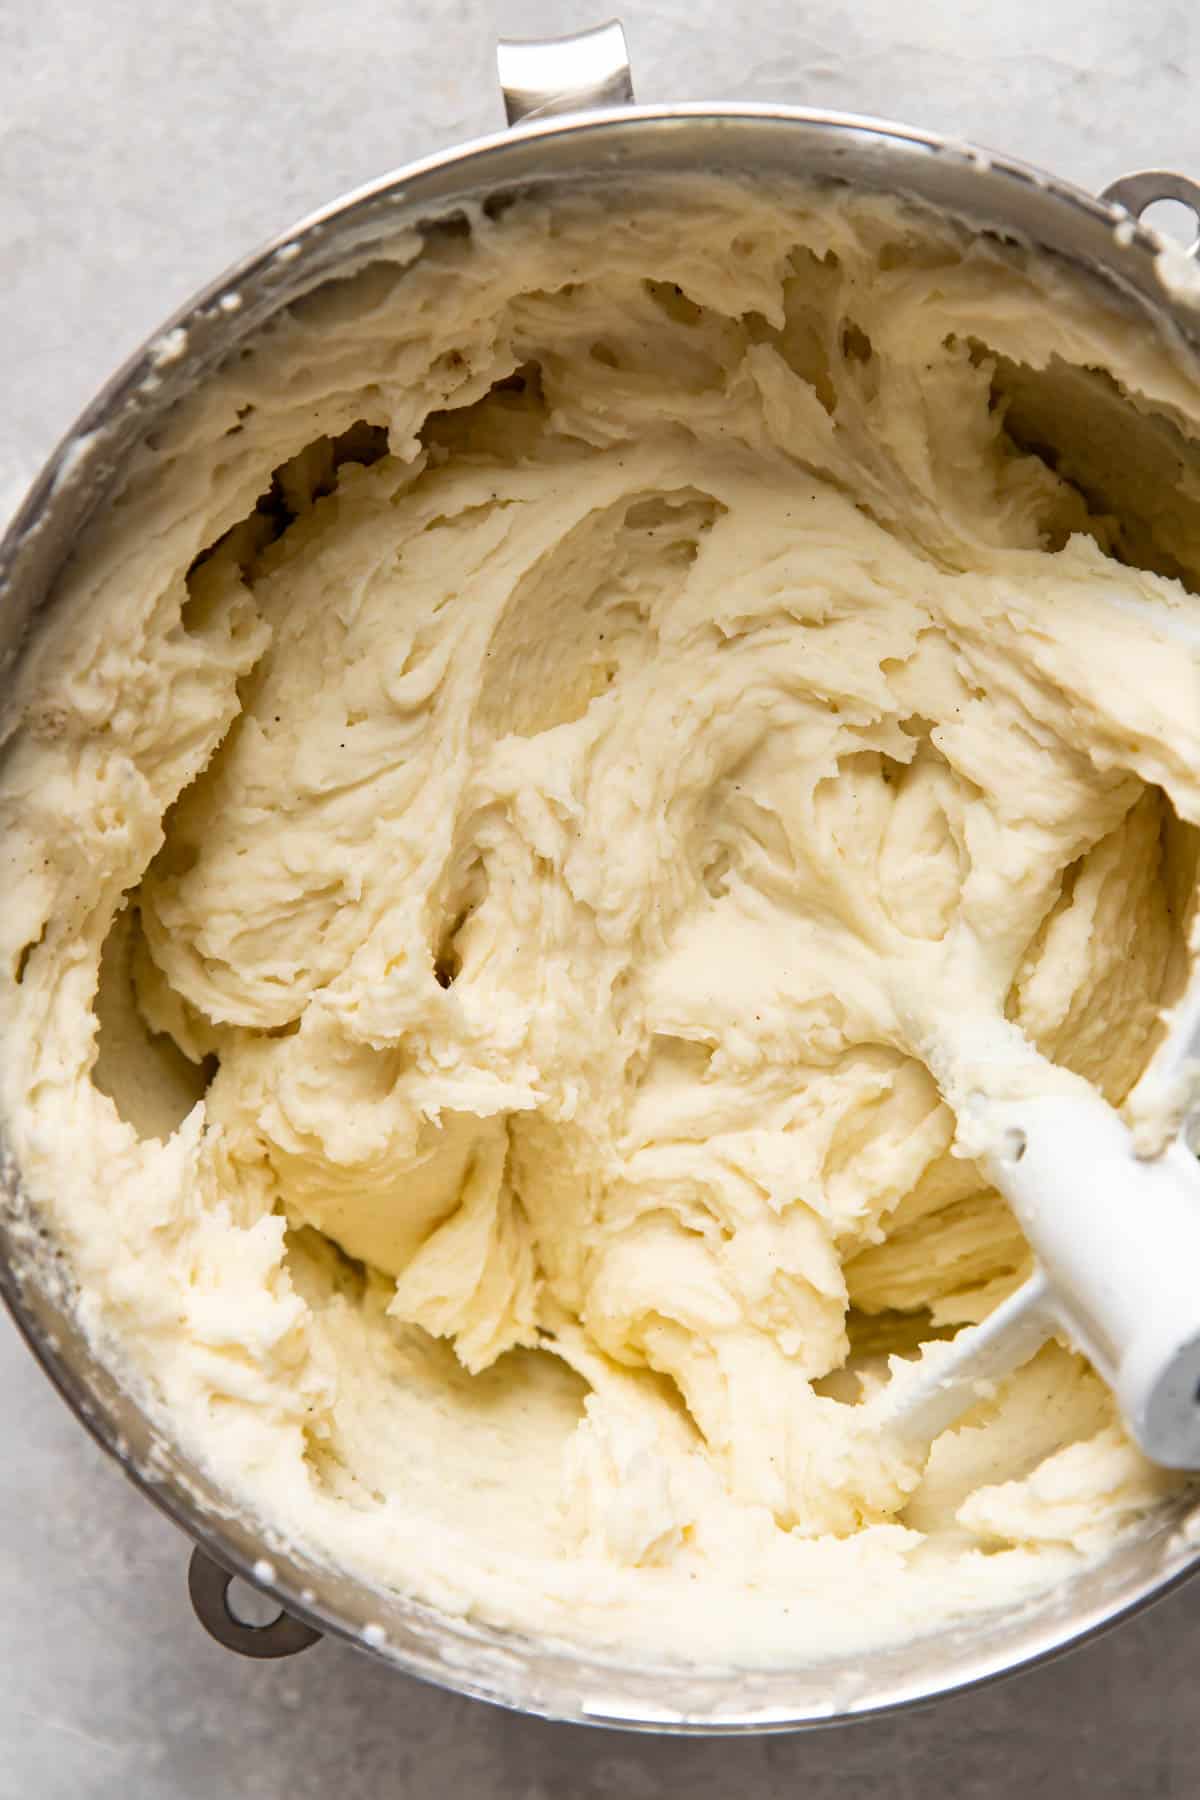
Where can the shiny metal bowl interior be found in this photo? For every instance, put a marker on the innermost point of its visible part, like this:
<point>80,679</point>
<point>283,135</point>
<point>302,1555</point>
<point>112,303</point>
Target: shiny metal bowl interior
<point>629,147</point>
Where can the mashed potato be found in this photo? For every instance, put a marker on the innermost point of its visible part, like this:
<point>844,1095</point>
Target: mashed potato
<point>514,792</point>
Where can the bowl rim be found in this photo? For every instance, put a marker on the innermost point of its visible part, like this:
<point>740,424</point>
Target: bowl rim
<point>88,459</point>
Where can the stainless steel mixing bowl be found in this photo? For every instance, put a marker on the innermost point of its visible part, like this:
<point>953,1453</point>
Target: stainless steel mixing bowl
<point>571,103</point>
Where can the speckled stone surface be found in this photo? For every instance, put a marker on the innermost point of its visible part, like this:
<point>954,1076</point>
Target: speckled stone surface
<point>143,146</point>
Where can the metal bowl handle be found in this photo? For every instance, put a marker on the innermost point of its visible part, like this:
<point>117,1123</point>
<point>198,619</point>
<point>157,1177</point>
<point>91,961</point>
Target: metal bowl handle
<point>540,77</point>
<point>1138,192</point>
<point>208,1590</point>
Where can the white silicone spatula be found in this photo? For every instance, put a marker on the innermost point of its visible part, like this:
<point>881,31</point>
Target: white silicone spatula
<point>1116,1237</point>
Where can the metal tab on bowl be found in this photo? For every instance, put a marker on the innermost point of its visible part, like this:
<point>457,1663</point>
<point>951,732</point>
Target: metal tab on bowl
<point>540,77</point>
<point>208,1590</point>
<point>1138,193</point>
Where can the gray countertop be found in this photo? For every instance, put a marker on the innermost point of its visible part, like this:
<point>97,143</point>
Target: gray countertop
<point>143,146</point>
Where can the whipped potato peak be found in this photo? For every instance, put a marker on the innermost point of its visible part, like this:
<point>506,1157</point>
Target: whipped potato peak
<point>563,776</point>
